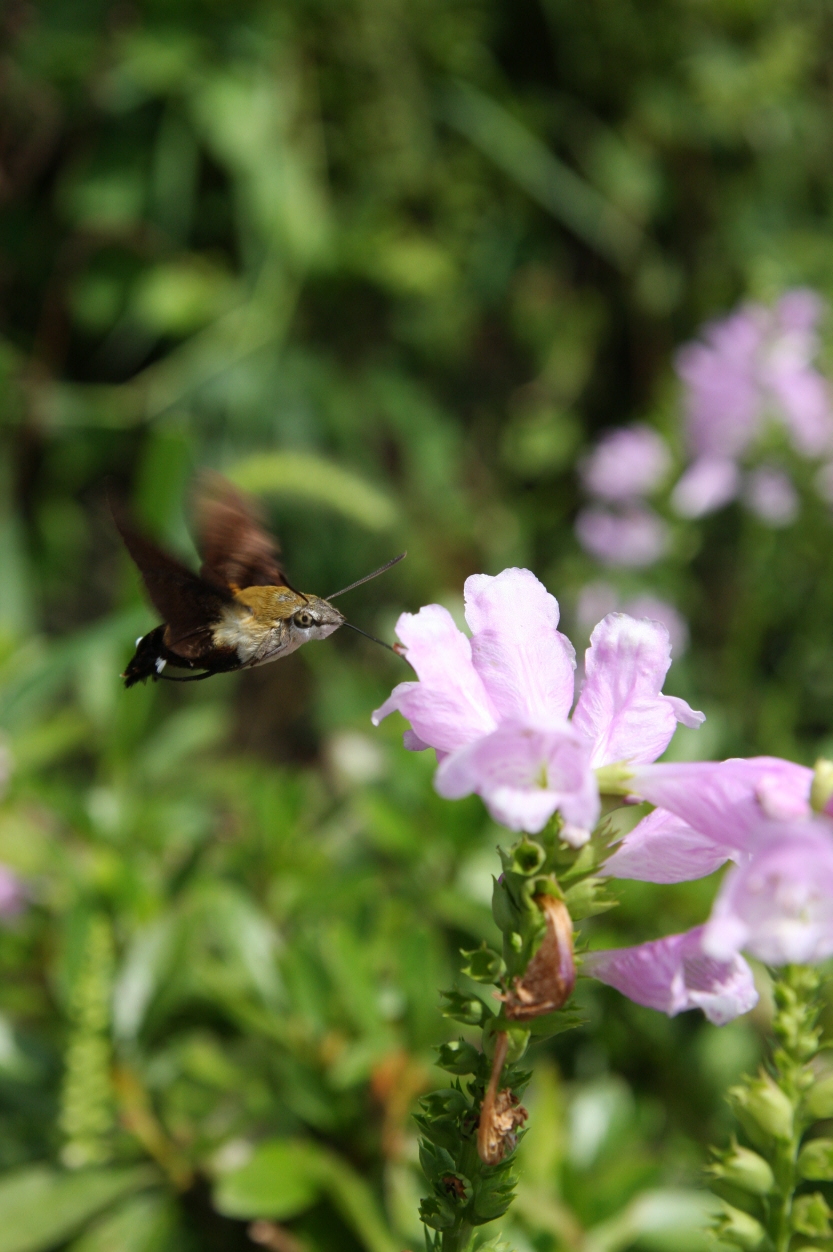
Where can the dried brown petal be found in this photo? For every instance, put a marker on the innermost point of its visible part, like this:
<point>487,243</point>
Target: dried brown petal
<point>551,974</point>
<point>501,1114</point>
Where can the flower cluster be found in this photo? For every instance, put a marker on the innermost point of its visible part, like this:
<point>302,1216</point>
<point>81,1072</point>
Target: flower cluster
<point>620,527</point>
<point>748,375</point>
<point>748,371</point>
<point>498,710</point>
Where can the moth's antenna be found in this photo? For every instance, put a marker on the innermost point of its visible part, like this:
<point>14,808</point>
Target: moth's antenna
<point>366,579</point>
<point>373,637</point>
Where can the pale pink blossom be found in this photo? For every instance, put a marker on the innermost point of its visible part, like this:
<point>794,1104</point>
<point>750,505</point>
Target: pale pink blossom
<point>727,801</point>
<point>657,610</point>
<point>778,903</point>
<point>663,848</point>
<point>797,391</point>
<point>632,536</point>
<point>708,484</point>
<point>769,494</point>
<point>722,390</point>
<point>707,812</point>
<point>676,973</point>
<point>755,364</point>
<point>621,709</point>
<point>597,599</point>
<point>626,464</point>
<point>496,706</point>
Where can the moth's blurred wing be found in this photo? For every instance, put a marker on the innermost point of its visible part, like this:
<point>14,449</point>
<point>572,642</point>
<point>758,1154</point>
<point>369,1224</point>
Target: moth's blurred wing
<point>189,604</point>
<point>233,543</point>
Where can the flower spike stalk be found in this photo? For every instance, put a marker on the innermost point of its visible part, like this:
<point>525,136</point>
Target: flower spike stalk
<point>767,1184</point>
<point>470,1130</point>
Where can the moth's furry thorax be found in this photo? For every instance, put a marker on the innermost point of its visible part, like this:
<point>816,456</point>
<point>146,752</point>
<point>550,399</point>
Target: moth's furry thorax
<point>264,623</point>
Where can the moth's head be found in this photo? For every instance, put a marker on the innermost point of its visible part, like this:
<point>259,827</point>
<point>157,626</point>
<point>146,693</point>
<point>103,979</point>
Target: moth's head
<point>314,618</point>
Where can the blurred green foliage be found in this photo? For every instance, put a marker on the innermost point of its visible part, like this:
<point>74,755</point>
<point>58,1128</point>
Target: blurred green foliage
<point>391,265</point>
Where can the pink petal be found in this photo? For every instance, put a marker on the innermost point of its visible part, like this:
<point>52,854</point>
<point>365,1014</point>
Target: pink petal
<point>769,494</point>
<point>663,848</point>
<point>707,485</point>
<point>633,536</point>
<point>675,974</point>
<point>621,708</point>
<point>778,904</point>
<point>659,611</point>
<point>727,800</point>
<point>449,705</point>
<point>722,393</point>
<point>525,774</point>
<point>526,664</point>
<point>626,463</point>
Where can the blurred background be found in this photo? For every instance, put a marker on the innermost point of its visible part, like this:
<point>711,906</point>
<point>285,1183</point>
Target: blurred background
<point>395,268</point>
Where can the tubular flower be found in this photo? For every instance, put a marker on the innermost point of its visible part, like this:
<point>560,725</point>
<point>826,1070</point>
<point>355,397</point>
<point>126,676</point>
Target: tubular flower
<point>777,902</point>
<point>677,973</point>
<point>496,706</point>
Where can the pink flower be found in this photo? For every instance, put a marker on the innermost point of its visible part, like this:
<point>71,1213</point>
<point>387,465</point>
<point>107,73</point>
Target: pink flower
<point>663,848</point>
<point>753,366</point>
<point>626,463</point>
<point>597,599</point>
<point>778,904</point>
<point>727,801</point>
<point>634,536</point>
<point>661,611</point>
<point>676,973</point>
<point>496,706</point>
<point>722,391</point>
<point>708,812</point>
<point>755,362</point>
<point>707,485</point>
<point>796,389</point>
<point>771,496</point>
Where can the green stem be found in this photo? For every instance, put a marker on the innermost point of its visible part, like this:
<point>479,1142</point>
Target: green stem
<point>457,1240</point>
<point>781,1212</point>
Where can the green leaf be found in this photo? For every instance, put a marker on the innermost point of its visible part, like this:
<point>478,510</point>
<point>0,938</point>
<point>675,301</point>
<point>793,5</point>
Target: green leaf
<point>283,1178</point>
<point>40,1207</point>
<point>144,1223</point>
<point>305,476</point>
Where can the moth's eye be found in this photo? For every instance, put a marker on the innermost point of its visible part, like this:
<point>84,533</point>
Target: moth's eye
<point>304,619</point>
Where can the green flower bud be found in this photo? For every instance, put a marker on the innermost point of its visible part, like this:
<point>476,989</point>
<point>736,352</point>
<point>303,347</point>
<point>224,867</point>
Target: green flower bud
<point>744,1169</point>
<point>816,1160</point>
<point>735,1226</point>
<point>458,1057</point>
<point>818,1101</point>
<point>811,1215</point>
<point>822,788</point>
<point>483,965</point>
<point>760,1100</point>
<point>468,1009</point>
<point>527,857</point>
